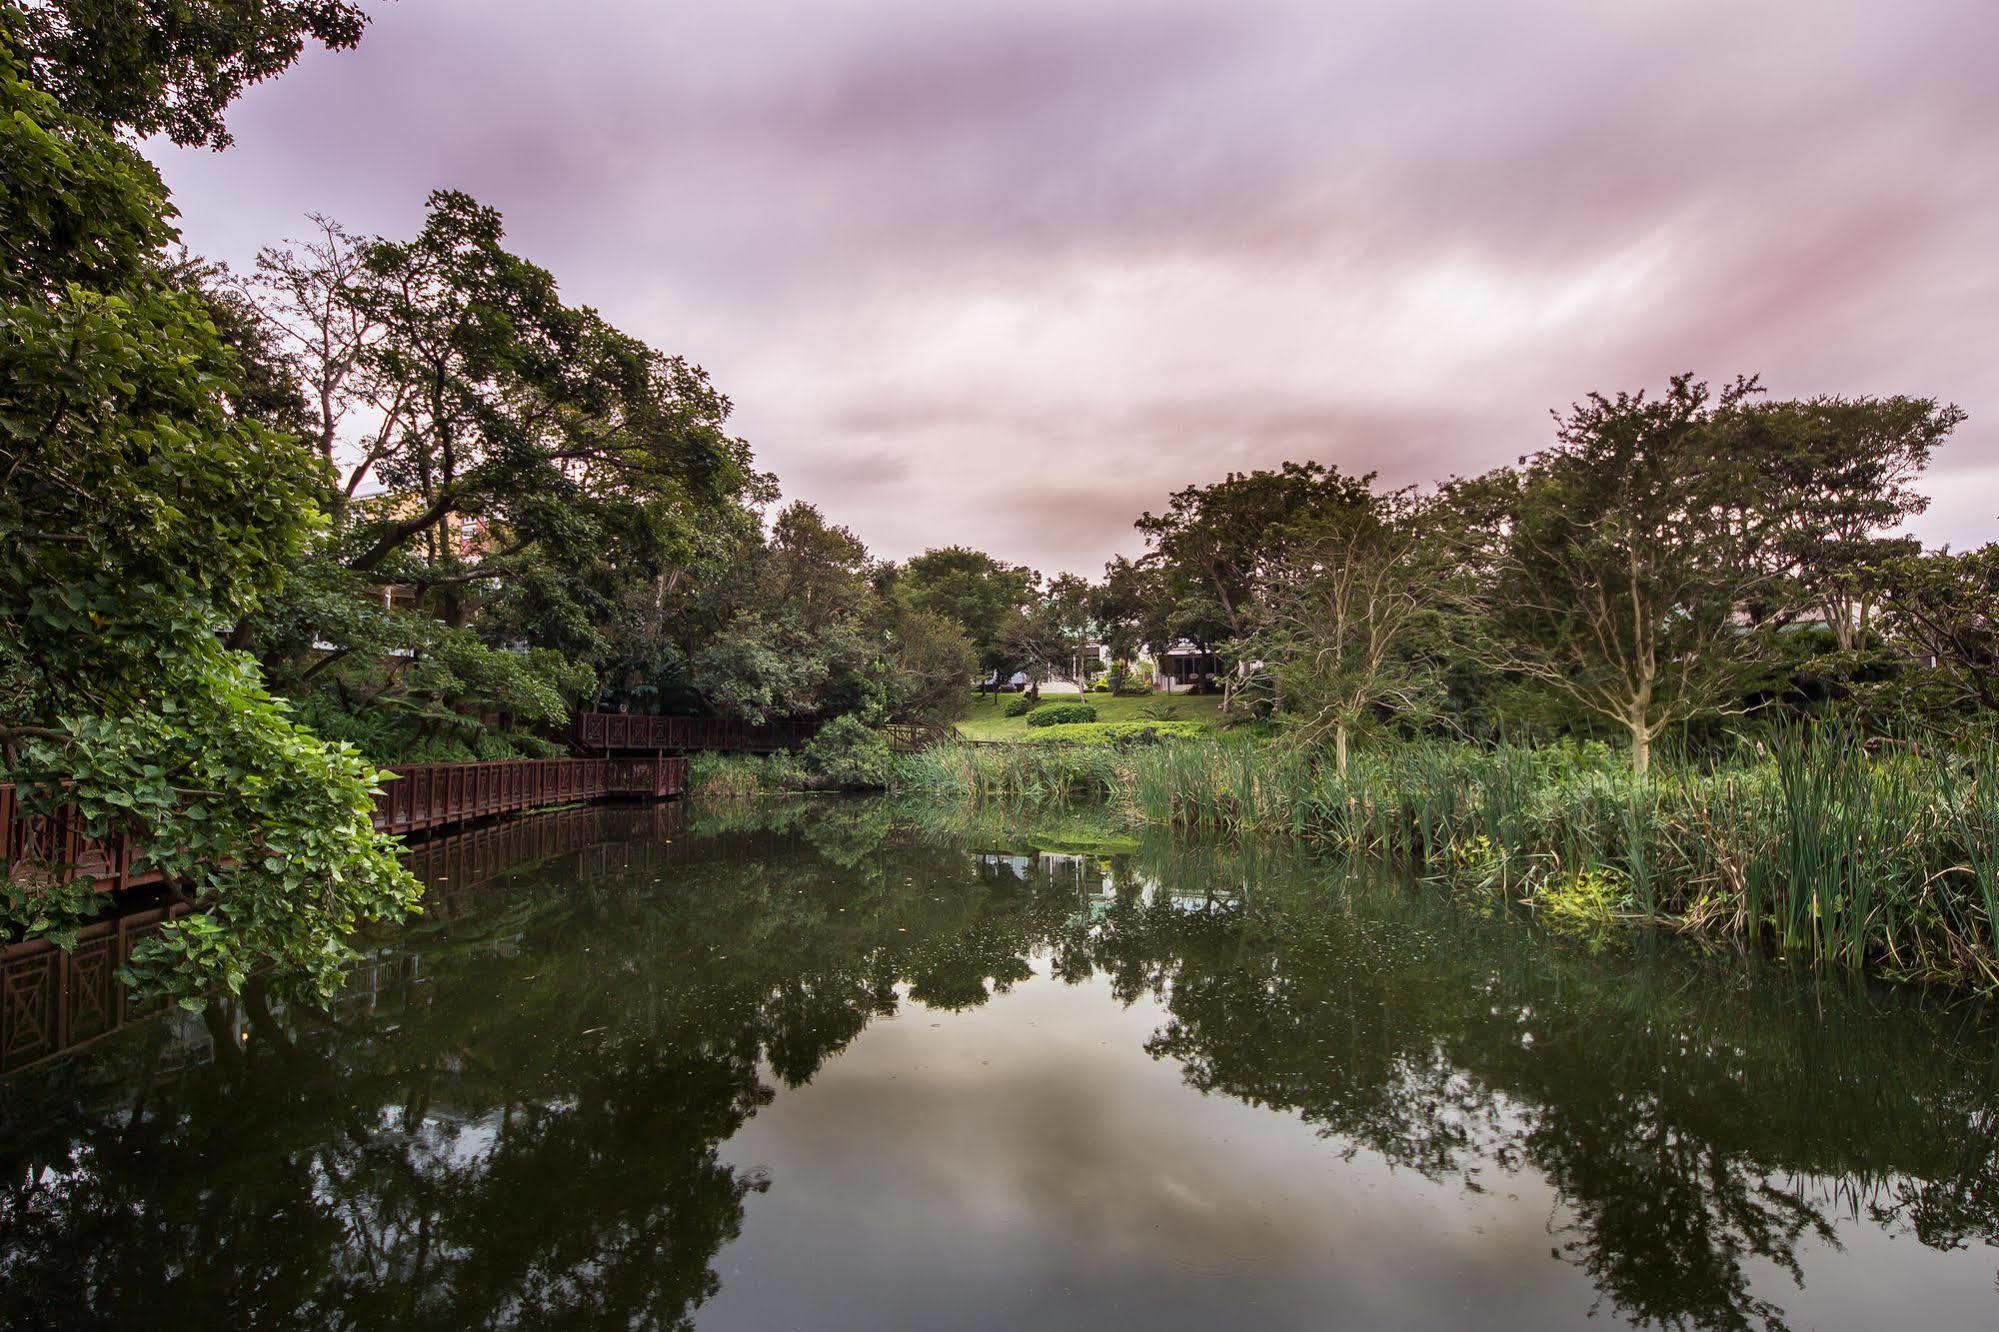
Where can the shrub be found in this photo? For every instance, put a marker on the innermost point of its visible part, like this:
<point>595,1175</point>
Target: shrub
<point>1124,734</point>
<point>1019,705</point>
<point>848,754</point>
<point>728,776</point>
<point>1061,714</point>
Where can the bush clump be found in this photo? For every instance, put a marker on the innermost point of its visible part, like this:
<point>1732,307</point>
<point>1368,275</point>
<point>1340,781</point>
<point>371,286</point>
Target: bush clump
<point>1123,734</point>
<point>1018,706</point>
<point>1062,714</point>
<point>847,754</point>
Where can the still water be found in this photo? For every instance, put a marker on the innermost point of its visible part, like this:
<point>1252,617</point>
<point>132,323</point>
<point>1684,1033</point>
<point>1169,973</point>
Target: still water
<point>828,1066</point>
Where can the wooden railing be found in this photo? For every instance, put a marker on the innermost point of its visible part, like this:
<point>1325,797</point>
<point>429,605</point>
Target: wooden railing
<point>29,843</point>
<point>908,737</point>
<point>53,999</point>
<point>601,732</point>
<point>435,795</point>
<point>421,797</point>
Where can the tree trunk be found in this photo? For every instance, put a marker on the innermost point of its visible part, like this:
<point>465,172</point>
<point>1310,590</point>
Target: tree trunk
<point>1641,748</point>
<point>1340,747</point>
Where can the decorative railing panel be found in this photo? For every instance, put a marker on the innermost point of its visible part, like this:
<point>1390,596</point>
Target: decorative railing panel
<point>52,1000</point>
<point>606,731</point>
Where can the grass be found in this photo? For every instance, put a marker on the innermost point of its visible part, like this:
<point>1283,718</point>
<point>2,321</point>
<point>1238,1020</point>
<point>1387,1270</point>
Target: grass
<point>980,718</point>
<point>1816,850</point>
<point>747,776</point>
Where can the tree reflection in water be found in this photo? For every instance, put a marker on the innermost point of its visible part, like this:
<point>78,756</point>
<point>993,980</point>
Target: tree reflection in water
<point>517,1113</point>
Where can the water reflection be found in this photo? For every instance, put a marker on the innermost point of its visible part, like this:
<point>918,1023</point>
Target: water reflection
<point>520,1111</point>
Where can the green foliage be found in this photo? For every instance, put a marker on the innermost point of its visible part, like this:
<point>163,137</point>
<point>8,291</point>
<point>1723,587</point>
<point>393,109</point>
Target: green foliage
<point>141,517</point>
<point>1946,608</point>
<point>548,488</point>
<point>1214,545</point>
<point>1060,714</point>
<point>1818,850</point>
<point>172,66</point>
<point>268,826</point>
<point>1116,733</point>
<point>1048,636</point>
<point>981,595</point>
<point>1344,611</point>
<point>1017,705</point>
<point>925,667</point>
<point>1633,545</point>
<point>847,754</point>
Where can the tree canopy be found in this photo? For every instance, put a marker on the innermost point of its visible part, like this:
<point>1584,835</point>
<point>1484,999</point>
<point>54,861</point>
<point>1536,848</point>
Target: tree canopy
<point>142,515</point>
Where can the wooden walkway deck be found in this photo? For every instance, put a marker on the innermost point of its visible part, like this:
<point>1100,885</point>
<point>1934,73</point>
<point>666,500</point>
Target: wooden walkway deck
<point>423,796</point>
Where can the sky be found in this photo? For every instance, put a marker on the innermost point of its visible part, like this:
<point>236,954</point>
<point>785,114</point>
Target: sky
<point>1007,273</point>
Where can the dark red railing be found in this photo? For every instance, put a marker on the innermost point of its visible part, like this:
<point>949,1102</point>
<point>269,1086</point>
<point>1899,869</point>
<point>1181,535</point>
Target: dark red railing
<point>29,842</point>
<point>53,999</point>
<point>422,796</point>
<point>604,731</point>
<point>437,795</point>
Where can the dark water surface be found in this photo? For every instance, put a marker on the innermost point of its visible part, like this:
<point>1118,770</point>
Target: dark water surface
<point>826,1066</point>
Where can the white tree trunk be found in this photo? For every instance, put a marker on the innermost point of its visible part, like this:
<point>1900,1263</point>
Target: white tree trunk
<point>1641,748</point>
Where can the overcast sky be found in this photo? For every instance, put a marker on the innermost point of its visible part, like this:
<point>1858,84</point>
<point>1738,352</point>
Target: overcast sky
<point>1007,272</point>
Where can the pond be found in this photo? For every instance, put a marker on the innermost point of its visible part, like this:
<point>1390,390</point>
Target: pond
<point>831,1065</point>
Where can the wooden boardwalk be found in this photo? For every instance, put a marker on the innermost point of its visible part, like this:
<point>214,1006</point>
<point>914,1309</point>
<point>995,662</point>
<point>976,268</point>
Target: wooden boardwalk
<point>422,797</point>
<point>605,732</point>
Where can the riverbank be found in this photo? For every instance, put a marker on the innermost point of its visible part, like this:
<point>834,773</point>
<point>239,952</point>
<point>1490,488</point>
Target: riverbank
<point>1817,849</point>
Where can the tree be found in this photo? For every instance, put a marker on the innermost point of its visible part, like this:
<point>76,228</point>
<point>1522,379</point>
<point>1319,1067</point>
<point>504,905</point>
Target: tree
<point>794,638</point>
<point>981,595</point>
<point>1630,553</point>
<point>1047,638</point>
<point>1342,611</point>
<point>303,295</point>
<point>172,66</point>
<point>1216,547</point>
<point>1130,613</point>
<point>926,661</point>
<point>1946,608</point>
<point>1846,470</point>
<point>515,411</point>
<point>539,480</point>
<point>141,515</point>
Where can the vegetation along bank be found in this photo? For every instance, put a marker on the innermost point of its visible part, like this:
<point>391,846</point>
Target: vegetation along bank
<point>393,499</point>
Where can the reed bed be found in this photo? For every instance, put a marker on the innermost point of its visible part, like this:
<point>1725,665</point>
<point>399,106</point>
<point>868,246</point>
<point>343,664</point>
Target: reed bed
<point>1813,847</point>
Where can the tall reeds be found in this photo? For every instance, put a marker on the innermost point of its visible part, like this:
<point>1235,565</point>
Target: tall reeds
<point>1816,848</point>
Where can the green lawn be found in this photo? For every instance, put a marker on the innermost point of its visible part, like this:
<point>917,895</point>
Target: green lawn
<point>981,719</point>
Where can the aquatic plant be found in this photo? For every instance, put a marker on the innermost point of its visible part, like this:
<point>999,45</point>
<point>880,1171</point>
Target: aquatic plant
<point>1814,845</point>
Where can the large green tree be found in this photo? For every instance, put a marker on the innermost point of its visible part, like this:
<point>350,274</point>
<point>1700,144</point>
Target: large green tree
<point>1216,548</point>
<point>1944,607</point>
<point>1630,557</point>
<point>141,515</point>
<point>1841,475</point>
<point>1048,637</point>
<point>983,596</point>
<point>517,490</point>
<point>1343,613</point>
<point>1129,609</point>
